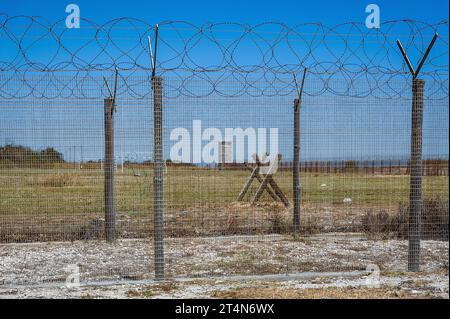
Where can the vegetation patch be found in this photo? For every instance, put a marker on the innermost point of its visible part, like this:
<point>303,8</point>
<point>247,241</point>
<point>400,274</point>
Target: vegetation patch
<point>435,219</point>
<point>151,291</point>
<point>316,293</point>
<point>21,156</point>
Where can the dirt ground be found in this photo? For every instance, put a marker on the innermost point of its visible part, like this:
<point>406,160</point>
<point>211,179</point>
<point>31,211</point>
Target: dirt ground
<point>320,266</point>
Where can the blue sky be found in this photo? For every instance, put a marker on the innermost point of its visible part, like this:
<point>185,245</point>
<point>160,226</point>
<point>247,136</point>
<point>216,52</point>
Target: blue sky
<point>362,137</point>
<point>291,12</point>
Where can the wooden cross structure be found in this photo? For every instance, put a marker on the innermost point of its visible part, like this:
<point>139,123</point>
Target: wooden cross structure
<point>264,174</point>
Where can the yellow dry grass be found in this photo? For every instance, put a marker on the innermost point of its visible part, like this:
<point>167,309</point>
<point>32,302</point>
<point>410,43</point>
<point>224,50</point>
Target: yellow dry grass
<point>316,293</point>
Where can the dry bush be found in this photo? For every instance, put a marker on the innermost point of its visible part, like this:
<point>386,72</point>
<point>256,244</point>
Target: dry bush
<point>435,218</point>
<point>234,225</point>
<point>277,222</point>
<point>380,223</point>
<point>95,229</point>
<point>311,225</point>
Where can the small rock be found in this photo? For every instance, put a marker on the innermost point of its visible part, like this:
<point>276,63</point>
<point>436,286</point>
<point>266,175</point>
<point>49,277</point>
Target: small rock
<point>184,213</point>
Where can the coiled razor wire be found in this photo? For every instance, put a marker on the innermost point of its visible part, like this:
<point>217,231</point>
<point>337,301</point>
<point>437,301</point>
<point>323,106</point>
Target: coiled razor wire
<point>43,59</point>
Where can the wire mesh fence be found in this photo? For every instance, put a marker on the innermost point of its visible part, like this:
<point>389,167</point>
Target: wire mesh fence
<point>191,173</point>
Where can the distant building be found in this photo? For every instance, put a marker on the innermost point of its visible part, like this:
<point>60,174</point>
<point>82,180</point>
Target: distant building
<point>225,153</point>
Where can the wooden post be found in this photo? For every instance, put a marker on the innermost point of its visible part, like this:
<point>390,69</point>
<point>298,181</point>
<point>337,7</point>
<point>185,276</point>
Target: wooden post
<point>254,175</point>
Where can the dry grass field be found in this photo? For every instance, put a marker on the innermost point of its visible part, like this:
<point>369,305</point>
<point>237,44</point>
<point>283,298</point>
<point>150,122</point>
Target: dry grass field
<point>67,203</point>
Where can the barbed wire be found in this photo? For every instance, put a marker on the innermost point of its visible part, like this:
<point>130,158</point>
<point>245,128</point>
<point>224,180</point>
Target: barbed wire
<point>44,59</point>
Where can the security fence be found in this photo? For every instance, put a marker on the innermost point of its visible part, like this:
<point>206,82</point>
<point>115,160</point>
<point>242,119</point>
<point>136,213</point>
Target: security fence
<point>216,161</point>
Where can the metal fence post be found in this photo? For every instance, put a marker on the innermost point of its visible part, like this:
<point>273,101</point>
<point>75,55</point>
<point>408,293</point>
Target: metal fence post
<point>158,179</point>
<point>110,214</point>
<point>415,190</point>
<point>415,169</point>
<point>296,167</point>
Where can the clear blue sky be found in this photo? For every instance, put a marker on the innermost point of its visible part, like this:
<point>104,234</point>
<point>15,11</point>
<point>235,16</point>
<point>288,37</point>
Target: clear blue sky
<point>360,135</point>
<point>291,12</point>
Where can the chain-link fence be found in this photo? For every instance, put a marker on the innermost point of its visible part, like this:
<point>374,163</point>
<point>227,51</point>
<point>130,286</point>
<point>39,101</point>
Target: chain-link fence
<point>192,172</point>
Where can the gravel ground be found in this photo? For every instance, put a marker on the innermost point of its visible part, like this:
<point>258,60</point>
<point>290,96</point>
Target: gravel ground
<point>41,269</point>
<point>398,286</point>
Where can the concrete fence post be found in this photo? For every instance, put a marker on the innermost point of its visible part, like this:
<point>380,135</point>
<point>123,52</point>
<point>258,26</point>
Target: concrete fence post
<point>110,212</point>
<point>296,167</point>
<point>158,179</point>
<point>415,189</point>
